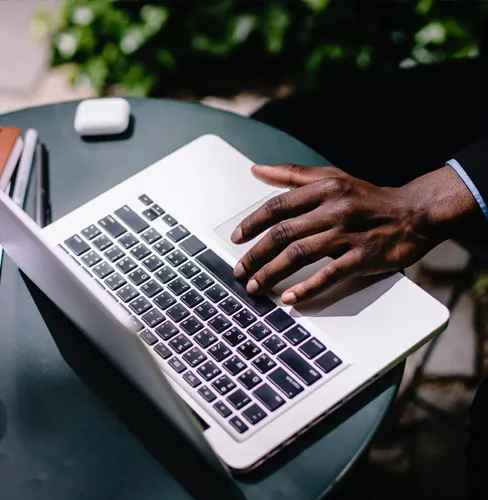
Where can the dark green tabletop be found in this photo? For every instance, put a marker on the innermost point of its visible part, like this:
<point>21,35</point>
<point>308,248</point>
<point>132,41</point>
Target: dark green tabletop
<point>72,427</point>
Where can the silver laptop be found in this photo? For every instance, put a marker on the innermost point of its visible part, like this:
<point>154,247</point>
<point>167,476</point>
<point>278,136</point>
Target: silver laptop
<point>145,271</point>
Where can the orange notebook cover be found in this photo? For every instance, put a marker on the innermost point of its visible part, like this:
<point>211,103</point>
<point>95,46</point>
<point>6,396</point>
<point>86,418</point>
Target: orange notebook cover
<point>8,138</point>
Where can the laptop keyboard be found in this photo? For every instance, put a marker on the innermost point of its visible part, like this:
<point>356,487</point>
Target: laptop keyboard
<point>239,356</point>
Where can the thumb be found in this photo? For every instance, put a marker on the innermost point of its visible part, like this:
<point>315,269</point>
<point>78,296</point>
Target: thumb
<point>289,175</point>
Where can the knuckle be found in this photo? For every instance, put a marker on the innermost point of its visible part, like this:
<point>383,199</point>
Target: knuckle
<point>281,233</point>
<point>248,260</point>
<point>298,251</point>
<point>275,205</point>
<point>334,185</point>
<point>263,275</point>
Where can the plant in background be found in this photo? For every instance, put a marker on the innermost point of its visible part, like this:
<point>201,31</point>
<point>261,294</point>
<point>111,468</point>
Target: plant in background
<point>225,46</point>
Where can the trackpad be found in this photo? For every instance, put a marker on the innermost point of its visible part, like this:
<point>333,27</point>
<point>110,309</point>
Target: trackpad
<point>225,230</point>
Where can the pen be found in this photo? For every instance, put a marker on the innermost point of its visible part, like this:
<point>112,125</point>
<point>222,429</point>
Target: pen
<point>25,167</point>
<point>42,186</point>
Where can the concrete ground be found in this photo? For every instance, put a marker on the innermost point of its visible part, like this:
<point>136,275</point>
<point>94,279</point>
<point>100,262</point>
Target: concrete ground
<point>428,460</point>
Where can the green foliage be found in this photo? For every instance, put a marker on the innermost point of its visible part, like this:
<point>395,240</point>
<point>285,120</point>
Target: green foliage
<point>154,48</point>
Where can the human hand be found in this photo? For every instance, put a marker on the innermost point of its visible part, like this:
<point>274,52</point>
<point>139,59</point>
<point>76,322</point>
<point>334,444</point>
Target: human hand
<point>366,229</point>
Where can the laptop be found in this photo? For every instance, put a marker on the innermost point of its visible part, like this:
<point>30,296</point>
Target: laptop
<point>145,270</point>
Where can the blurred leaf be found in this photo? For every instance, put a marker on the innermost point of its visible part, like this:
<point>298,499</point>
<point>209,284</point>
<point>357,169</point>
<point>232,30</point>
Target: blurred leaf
<point>276,24</point>
<point>244,25</point>
<point>166,58</point>
<point>424,6</point>
<point>317,5</point>
<point>154,18</point>
<point>431,33</point>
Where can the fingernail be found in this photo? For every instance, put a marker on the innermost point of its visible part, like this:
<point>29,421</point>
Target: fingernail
<point>236,235</point>
<point>289,298</point>
<point>252,286</point>
<point>239,271</point>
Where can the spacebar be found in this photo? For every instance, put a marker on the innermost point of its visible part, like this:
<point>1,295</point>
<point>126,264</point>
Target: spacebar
<point>224,273</point>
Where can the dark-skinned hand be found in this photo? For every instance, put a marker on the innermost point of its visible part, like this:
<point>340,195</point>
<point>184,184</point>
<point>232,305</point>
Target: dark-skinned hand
<point>366,229</point>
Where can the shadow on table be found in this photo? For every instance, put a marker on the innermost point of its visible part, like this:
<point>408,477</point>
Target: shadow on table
<point>140,416</point>
<point>126,134</point>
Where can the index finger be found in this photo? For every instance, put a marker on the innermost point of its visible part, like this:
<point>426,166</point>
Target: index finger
<point>277,209</point>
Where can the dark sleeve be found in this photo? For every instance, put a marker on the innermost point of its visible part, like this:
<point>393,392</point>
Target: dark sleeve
<point>473,160</point>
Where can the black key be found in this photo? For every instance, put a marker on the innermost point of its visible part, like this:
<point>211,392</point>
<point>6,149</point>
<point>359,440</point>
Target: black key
<point>77,245</point>
<point>222,408</point>
<point>127,293</point>
<point>216,293</point>
<point>102,270</point>
<point>91,258</point>
<point>189,270</point>
<point>140,305</point>
<point>285,383</point>
<point>254,414</point>
<point>202,281</point>
<point>234,336</point>
<point>148,337</point>
<point>296,335</point>
<point>181,343</point>
<point>264,363</point>
<point>153,317</point>
<point>194,357</point>
<point>312,348</point>
<point>192,379</point>
<point>279,320</point>
<point>140,251</point>
<point>223,385</point>
<point>151,236</point>
<point>205,311</point>
<point>136,324</point>
<point>167,330</point>
<point>102,243</point>
<point>192,246</point>
<point>230,306</point>
<point>270,398</point>
<point>163,351</point>
<point>163,247</point>
<point>219,351</point>
<point>126,265</point>
<point>238,425</point>
<point>144,198</point>
<point>274,344</point>
<point>177,365</point>
<point>128,241</point>
<point>178,286</point>
<point>238,399</point>
<point>151,288</point>
<point>113,227</point>
<point>249,349</point>
<point>152,263</point>
<point>209,370</point>
<point>328,362</point>
<point>150,214</point>
<point>158,209</point>
<point>178,233</point>
<point>219,268</point>
<point>178,312</point>
<point>299,366</point>
<point>165,275</point>
<point>192,298</point>
<point>134,221</point>
<point>244,318</point>
<point>114,253</point>
<point>250,379</point>
<point>164,300</point>
<point>171,221</point>
<point>207,394</point>
<point>220,323</point>
<point>259,331</point>
<point>91,232</point>
<point>176,258</point>
<point>205,338</point>
<point>115,281</point>
<point>191,325</point>
<point>138,276</point>
<point>234,365</point>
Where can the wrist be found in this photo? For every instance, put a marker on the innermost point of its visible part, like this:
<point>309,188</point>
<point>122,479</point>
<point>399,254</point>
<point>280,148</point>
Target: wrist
<point>443,206</point>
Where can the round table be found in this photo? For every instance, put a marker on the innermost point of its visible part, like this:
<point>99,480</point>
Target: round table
<point>71,426</point>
